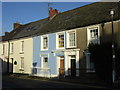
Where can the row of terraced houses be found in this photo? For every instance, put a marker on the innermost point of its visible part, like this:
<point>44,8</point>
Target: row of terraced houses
<point>58,45</point>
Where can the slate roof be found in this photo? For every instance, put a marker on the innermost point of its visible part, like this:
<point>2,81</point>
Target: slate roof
<point>95,13</point>
<point>13,33</point>
<point>31,29</point>
<point>91,14</point>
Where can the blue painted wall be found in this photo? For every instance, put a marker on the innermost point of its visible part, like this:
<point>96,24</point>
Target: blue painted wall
<point>37,53</point>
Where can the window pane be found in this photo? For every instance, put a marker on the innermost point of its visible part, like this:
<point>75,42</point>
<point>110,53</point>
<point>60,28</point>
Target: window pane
<point>45,42</point>
<point>22,46</point>
<point>22,62</point>
<point>61,40</point>
<point>94,36</point>
<point>71,38</point>
<point>45,62</point>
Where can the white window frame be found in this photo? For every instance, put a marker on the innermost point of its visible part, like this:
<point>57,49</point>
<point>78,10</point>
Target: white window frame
<point>22,63</point>
<point>89,35</point>
<point>43,61</point>
<point>11,48</point>
<point>22,46</point>
<point>68,42</point>
<point>43,43</point>
<point>57,41</point>
<point>3,48</point>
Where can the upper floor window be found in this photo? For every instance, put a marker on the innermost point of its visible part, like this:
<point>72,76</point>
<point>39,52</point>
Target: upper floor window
<point>11,47</point>
<point>93,35</point>
<point>3,48</point>
<point>22,46</point>
<point>71,39</point>
<point>44,42</point>
<point>60,40</point>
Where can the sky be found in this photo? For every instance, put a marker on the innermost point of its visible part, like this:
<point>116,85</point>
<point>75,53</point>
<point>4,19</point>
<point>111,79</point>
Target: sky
<point>26,12</point>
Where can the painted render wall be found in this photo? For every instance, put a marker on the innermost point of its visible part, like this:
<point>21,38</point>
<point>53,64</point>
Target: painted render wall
<point>38,53</point>
<point>28,55</point>
<point>105,36</point>
<point>53,54</point>
<point>82,44</point>
<point>4,56</point>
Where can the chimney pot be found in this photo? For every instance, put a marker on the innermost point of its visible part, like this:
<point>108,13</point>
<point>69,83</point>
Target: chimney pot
<point>6,33</point>
<point>16,25</point>
<point>52,12</point>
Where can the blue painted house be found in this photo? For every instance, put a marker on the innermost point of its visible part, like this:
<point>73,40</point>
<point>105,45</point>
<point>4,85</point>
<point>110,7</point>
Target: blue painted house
<point>50,55</point>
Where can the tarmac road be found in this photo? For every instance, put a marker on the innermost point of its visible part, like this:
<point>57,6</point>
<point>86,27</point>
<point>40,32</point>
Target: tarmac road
<point>17,82</point>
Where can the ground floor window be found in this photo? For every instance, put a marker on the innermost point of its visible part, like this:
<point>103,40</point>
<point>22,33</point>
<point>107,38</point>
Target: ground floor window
<point>45,62</point>
<point>22,62</point>
<point>89,63</point>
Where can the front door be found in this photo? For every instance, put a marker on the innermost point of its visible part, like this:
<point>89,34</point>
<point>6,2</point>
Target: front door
<point>61,70</point>
<point>73,67</point>
<point>11,65</point>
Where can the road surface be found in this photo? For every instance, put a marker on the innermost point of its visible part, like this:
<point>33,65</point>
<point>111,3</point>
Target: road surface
<point>17,82</point>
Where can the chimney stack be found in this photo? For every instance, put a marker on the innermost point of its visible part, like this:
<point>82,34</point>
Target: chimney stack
<point>16,25</point>
<point>6,33</point>
<point>52,12</point>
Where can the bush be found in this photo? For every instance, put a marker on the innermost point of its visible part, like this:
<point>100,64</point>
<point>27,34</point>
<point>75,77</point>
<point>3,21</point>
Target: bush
<point>102,57</point>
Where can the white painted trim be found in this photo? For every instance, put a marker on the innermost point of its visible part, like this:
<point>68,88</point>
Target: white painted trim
<point>68,62</point>
<point>42,58</point>
<point>11,47</point>
<point>58,64</point>
<point>88,33</point>
<point>21,52</point>
<point>44,54</point>
<point>42,42</point>
<point>67,38</point>
<point>58,33</point>
<point>65,50</point>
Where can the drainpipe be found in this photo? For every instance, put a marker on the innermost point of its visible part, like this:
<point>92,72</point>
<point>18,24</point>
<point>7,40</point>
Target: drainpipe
<point>8,57</point>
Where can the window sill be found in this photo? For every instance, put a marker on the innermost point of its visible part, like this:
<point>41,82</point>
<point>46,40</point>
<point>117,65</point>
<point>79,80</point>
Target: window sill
<point>60,48</point>
<point>21,53</point>
<point>21,69</point>
<point>11,53</point>
<point>72,47</point>
<point>44,49</point>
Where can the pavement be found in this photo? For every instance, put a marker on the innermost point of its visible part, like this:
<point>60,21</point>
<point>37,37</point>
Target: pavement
<point>74,80</point>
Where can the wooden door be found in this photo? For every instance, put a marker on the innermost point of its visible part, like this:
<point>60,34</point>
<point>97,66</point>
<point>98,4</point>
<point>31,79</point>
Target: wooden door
<point>61,70</point>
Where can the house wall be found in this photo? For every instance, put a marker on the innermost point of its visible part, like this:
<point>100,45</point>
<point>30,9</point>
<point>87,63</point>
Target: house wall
<point>53,54</point>
<point>38,53</point>
<point>4,57</point>
<point>106,31</point>
<point>105,36</point>
<point>82,44</point>
<point>28,55</point>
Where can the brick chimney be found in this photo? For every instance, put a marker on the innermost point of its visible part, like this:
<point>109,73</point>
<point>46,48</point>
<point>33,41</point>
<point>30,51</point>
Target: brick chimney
<point>6,33</point>
<point>52,12</point>
<point>16,25</point>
